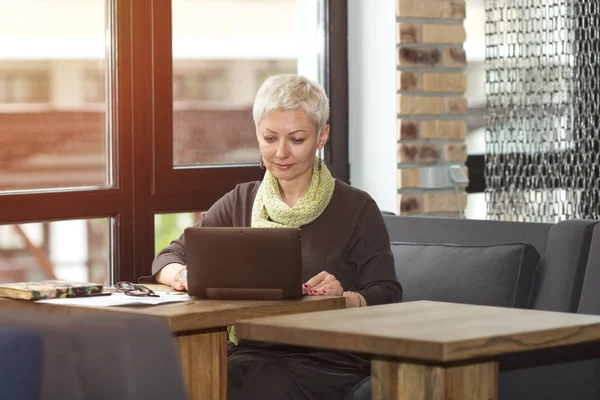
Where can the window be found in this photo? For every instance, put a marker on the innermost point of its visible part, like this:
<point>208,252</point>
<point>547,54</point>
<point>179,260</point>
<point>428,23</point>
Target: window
<point>39,251</point>
<point>128,113</point>
<point>17,85</point>
<point>49,138</point>
<point>217,70</point>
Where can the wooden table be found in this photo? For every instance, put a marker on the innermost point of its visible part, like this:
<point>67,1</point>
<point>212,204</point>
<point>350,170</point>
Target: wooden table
<point>200,327</point>
<point>428,350</point>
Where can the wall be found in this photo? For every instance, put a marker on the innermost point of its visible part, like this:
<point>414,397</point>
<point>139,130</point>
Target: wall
<point>432,106</point>
<point>373,104</point>
<point>372,79</point>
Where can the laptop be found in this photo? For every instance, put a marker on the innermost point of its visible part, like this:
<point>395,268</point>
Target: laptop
<point>244,263</point>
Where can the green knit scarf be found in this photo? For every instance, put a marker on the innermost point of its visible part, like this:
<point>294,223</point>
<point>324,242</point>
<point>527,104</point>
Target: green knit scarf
<point>270,211</point>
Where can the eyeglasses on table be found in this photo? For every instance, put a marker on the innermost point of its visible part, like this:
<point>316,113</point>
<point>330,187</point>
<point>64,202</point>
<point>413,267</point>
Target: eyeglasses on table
<point>133,289</point>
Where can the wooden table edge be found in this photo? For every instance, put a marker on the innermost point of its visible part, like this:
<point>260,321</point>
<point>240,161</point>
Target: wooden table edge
<point>176,320</point>
<point>438,352</point>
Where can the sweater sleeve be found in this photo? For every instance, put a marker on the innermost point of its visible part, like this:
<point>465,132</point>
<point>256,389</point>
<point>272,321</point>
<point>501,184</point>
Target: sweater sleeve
<point>220,214</point>
<point>376,278</point>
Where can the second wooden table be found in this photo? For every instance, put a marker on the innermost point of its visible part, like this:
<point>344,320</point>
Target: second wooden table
<point>425,349</point>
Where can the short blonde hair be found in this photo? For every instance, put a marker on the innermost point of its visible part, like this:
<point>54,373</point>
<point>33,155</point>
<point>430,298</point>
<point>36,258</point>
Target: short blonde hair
<point>291,92</point>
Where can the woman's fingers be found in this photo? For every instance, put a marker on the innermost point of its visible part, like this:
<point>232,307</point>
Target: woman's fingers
<point>329,292</point>
<point>325,282</point>
<point>177,285</point>
<point>332,289</point>
<point>315,280</point>
<point>180,281</point>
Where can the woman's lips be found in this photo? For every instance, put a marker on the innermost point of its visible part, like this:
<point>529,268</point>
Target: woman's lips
<point>284,166</point>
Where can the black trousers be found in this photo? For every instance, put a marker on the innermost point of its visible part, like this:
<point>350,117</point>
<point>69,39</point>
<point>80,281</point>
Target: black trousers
<point>290,373</point>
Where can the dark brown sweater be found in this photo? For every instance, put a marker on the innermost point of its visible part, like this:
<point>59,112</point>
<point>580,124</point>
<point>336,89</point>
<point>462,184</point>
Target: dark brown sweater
<point>349,240</point>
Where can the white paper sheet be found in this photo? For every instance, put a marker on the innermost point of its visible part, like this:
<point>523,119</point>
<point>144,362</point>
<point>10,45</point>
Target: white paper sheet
<point>118,299</point>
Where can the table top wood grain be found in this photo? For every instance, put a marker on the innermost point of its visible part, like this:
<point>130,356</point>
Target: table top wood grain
<point>426,330</point>
<point>195,314</point>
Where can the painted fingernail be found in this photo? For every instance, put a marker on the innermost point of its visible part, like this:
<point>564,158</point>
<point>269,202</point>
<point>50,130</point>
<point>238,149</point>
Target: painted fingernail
<point>324,292</point>
<point>305,286</point>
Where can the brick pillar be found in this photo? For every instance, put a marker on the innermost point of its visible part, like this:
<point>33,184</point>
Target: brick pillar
<point>431,104</point>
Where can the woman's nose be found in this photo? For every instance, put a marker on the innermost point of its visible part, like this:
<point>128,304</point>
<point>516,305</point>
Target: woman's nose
<point>282,150</point>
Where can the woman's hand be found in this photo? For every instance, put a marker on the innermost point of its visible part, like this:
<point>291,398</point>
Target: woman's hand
<point>172,275</point>
<point>323,284</point>
<point>180,281</point>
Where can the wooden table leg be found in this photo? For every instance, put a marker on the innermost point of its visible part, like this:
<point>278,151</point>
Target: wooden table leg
<point>204,363</point>
<point>392,380</point>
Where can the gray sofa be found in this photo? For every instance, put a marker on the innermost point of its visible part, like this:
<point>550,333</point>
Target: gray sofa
<point>511,264</point>
<point>560,374</point>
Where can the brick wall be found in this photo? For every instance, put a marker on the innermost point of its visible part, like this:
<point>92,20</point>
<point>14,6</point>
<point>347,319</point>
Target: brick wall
<point>431,103</point>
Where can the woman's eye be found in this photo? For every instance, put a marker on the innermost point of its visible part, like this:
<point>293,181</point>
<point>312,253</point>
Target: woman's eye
<point>297,140</point>
<point>269,139</point>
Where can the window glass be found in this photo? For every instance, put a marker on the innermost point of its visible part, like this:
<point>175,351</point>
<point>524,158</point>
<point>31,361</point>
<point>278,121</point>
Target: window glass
<point>52,95</point>
<point>74,249</point>
<point>223,50</point>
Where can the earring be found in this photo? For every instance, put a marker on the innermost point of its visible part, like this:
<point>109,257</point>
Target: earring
<point>261,164</point>
<point>320,159</point>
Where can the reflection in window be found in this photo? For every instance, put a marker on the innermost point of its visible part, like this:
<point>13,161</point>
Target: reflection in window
<point>222,52</point>
<point>208,85</point>
<point>213,109</point>
<point>51,69</point>
<point>75,249</point>
<point>24,86</point>
<point>93,85</point>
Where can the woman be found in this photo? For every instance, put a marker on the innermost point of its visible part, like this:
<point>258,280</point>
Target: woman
<point>345,244</point>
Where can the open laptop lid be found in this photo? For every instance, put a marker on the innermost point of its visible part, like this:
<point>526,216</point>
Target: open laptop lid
<point>244,263</point>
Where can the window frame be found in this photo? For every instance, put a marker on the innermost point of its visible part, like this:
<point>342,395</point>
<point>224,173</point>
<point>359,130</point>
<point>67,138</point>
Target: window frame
<point>140,115</point>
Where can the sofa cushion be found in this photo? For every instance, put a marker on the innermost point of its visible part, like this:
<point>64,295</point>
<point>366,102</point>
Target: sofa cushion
<point>503,275</point>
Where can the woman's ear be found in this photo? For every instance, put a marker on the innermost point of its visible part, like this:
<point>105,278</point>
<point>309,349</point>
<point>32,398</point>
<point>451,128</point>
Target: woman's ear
<point>323,136</point>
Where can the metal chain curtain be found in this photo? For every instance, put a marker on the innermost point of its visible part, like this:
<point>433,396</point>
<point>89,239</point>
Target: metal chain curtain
<point>543,109</point>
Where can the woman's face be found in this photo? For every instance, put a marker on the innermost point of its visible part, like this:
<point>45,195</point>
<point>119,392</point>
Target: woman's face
<point>288,144</point>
